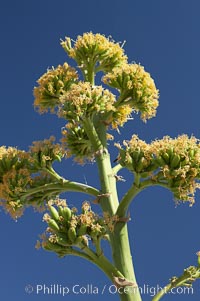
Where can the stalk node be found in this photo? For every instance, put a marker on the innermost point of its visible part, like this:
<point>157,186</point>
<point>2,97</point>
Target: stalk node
<point>119,178</point>
<point>124,219</point>
<point>122,282</point>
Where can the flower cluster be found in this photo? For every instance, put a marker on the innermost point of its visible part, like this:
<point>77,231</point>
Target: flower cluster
<point>180,165</point>
<point>67,229</point>
<point>60,91</point>
<point>53,84</point>
<point>173,163</point>
<point>14,183</point>
<point>23,173</point>
<point>95,50</point>
<point>120,116</point>
<point>189,275</point>
<point>137,88</point>
<point>137,156</point>
<point>76,143</point>
<point>84,100</point>
<point>10,157</point>
<point>44,152</point>
<point>14,178</point>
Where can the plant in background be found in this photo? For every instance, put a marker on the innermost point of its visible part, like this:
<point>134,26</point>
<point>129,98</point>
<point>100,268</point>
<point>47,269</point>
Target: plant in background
<point>90,112</point>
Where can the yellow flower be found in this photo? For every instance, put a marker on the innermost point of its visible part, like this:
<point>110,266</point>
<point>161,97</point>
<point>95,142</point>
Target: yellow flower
<point>11,152</point>
<point>96,50</point>
<point>181,168</point>
<point>45,151</point>
<point>12,158</point>
<point>137,89</point>
<point>136,156</point>
<point>84,100</point>
<point>180,145</point>
<point>121,116</point>
<point>13,184</point>
<point>51,85</point>
<point>173,163</point>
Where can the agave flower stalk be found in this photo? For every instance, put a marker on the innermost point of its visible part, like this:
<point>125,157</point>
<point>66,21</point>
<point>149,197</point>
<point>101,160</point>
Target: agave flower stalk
<point>90,111</point>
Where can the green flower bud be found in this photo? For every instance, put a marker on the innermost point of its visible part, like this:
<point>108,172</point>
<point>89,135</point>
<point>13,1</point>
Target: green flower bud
<point>141,164</point>
<point>54,213</point>
<point>62,240</point>
<point>76,142</point>
<point>53,247</point>
<point>78,240</point>
<point>53,225</point>
<point>72,234</point>
<point>82,230</point>
<point>136,155</point>
<point>170,151</point>
<point>175,161</point>
<point>191,153</point>
<point>160,161</point>
<point>66,213</point>
<point>166,158</point>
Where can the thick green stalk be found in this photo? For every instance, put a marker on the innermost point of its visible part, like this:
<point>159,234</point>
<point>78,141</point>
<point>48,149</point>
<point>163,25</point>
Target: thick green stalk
<point>123,259</point>
<point>108,199</point>
<point>109,202</point>
<point>119,238</point>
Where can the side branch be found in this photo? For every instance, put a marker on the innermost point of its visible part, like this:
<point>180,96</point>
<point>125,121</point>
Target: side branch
<point>62,186</point>
<point>127,199</point>
<point>134,190</point>
<point>189,275</point>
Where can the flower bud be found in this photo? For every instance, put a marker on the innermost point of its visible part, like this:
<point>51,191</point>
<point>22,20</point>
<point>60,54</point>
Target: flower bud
<point>53,225</point>
<point>54,213</point>
<point>175,161</point>
<point>82,230</point>
<point>62,240</point>
<point>166,158</point>
<point>72,234</point>
<point>66,213</point>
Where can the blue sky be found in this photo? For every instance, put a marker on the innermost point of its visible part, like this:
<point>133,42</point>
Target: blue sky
<point>164,37</point>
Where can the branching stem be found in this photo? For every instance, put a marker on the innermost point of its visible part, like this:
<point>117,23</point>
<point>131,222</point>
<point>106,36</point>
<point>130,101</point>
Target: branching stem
<point>61,186</point>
